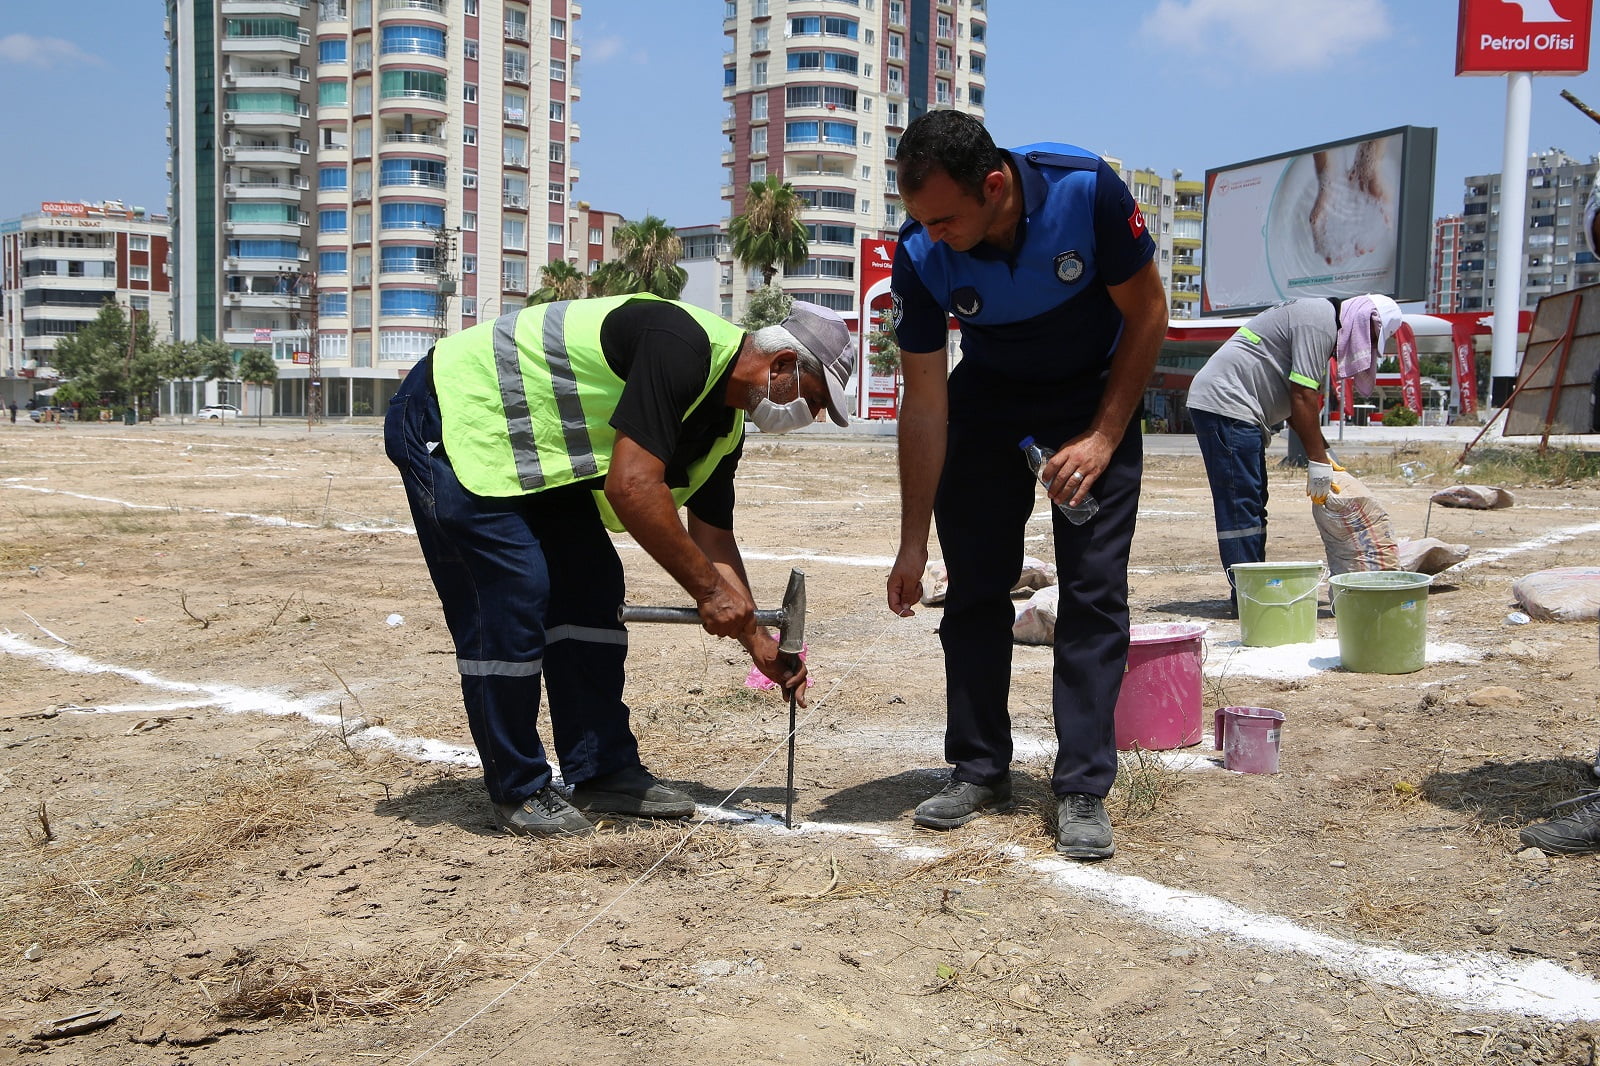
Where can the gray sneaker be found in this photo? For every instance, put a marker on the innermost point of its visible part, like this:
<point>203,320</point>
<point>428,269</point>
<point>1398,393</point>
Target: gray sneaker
<point>1083,828</point>
<point>960,802</point>
<point>546,813</point>
<point>632,791</point>
<point>1576,834</point>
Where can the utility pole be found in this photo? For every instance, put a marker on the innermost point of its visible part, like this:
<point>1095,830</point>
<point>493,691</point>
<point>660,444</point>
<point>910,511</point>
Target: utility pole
<point>444,254</point>
<point>303,298</point>
<point>127,366</point>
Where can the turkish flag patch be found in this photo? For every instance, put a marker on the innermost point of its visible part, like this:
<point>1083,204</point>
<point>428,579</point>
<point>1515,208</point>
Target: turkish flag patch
<point>1136,222</point>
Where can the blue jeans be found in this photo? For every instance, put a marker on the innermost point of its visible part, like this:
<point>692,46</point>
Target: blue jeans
<point>1235,455</point>
<point>530,587</point>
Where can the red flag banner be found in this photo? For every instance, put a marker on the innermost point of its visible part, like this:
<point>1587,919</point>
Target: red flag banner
<point>1466,367</point>
<point>1410,372</point>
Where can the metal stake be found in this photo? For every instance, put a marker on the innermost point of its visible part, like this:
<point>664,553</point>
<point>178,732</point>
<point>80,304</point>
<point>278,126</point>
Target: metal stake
<point>788,802</point>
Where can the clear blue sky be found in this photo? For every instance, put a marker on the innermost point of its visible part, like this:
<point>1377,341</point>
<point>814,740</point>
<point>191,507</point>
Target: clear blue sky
<point>1162,84</point>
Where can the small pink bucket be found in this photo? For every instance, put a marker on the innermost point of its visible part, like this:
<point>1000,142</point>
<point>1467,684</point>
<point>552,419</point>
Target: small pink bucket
<point>1159,706</point>
<point>1248,738</point>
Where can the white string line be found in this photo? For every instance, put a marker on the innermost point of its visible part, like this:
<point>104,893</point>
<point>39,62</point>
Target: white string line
<point>695,828</point>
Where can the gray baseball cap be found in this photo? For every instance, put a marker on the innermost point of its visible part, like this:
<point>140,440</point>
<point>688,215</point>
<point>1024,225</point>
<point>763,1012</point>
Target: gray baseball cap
<point>826,336</point>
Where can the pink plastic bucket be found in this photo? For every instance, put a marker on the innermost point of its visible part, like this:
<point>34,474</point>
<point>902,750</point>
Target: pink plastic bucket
<point>1159,707</point>
<point>1248,738</point>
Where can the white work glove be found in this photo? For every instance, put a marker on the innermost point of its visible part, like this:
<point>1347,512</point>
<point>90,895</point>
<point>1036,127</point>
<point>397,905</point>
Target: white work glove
<point>1319,480</point>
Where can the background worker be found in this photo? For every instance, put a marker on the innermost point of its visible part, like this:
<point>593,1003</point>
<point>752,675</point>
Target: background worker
<point>1041,254</point>
<point>1271,370</point>
<point>520,443</point>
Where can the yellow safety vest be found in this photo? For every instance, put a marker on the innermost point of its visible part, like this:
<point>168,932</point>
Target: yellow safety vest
<point>526,400</point>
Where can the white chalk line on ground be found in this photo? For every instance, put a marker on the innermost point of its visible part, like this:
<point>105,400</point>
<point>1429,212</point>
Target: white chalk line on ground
<point>1469,980</point>
<point>260,519</point>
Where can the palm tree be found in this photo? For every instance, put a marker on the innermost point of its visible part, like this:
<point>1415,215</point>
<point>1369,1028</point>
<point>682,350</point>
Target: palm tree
<point>769,232</point>
<point>649,250</point>
<point>559,280</point>
<point>611,278</point>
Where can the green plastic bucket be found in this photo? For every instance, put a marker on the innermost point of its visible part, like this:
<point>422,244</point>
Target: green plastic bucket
<point>1277,602</point>
<point>1382,618</point>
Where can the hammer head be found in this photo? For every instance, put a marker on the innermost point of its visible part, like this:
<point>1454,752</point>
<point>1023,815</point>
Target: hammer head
<point>792,631</point>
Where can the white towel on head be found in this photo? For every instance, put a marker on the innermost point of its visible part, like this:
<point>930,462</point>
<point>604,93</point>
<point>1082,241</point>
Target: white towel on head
<point>1356,356</point>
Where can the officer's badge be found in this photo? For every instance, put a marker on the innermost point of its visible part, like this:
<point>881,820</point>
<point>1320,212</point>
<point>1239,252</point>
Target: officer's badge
<point>966,302</point>
<point>1069,267</point>
<point>891,317</point>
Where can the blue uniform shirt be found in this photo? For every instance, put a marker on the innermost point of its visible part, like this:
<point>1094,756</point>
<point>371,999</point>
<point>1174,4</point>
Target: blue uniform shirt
<point>1041,312</point>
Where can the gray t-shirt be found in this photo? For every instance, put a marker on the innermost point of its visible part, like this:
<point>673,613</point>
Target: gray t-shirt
<point>1248,377</point>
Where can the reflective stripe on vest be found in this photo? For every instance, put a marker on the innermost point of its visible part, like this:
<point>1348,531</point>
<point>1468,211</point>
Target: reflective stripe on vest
<point>526,400</point>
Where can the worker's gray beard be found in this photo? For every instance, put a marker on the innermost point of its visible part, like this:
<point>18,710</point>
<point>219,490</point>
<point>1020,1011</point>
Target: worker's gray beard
<point>753,397</point>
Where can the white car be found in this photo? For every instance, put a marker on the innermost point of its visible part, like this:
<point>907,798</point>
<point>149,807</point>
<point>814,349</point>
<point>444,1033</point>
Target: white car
<point>219,411</point>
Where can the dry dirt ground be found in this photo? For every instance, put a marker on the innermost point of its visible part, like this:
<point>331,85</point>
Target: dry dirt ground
<point>238,805</point>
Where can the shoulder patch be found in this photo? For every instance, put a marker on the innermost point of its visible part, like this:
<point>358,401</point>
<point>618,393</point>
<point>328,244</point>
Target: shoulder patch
<point>1136,223</point>
<point>1069,266</point>
<point>891,317</point>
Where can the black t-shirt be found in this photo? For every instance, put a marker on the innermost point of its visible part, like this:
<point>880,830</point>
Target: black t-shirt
<point>663,356</point>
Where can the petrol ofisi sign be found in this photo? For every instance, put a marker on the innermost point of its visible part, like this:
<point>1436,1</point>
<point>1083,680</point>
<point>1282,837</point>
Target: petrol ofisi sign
<point>1523,36</point>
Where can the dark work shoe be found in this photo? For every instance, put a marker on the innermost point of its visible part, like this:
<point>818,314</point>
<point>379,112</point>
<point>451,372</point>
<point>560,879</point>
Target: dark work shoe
<point>960,802</point>
<point>546,813</point>
<point>1576,834</point>
<point>1083,828</point>
<point>631,791</point>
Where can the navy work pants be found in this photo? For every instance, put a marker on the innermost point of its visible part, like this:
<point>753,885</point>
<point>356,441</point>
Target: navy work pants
<point>986,495</point>
<point>1235,454</point>
<point>530,587</point>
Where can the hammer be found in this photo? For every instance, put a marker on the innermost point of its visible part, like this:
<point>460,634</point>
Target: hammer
<point>790,620</point>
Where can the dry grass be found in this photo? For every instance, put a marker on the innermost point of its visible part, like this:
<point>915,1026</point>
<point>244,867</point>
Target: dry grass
<point>633,848</point>
<point>402,979</point>
<point>144,874</point>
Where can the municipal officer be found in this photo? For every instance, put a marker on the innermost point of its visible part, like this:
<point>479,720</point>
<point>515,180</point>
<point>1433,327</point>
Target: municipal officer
<point>1042,256</point>
<point>520,442</point>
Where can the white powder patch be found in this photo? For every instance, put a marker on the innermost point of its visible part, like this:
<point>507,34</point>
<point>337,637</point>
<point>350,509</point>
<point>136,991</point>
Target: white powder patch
<point>1289,662</point>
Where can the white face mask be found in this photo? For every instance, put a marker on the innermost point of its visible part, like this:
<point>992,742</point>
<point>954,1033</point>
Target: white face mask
<point>770,417</point>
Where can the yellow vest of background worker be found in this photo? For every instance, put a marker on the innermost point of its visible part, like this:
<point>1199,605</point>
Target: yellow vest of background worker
<point>526,400</point>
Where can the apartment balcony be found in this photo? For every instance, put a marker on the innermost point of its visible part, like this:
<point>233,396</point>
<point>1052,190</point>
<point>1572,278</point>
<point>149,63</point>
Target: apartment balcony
<point>275,155</point>
<point>52,251</point>
<point>266,46</point>
<point>275,190</point>
<point>402,102</point>
<point>729,156</point>
<point>574,132</point>
<point>1183,269</point>
<point>428,144</point>
<point>514,283</point>
<point>283,121</point>
<point>729,123</point>
<point>268,265</point>
<point>260,301</point>
<point>574,10</point>
<point>727,192</point>
<point>289,79</point>
<point>292,9</point>
<point>516,76</point>
<point>573,173</point>
<point>517,31</point>
<point>291,230</point>
<point>422,10</point>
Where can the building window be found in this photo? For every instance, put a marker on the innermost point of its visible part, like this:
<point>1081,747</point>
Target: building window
<point>758,170</point>
<point>514,233</point>
<point>469,220</point>
<point>333,178</point>
<point>758,107</point>
<point>469,93</point>
<point>469,7</point>
<point>139,242</point>
<point>514,191</point>
<point>558,111</point>
<point>558,70</point>
<point>758,72</point>
<point>558,29</point>
<point>554,234</point>
<point>469,135</point>
<point>334,221</point>
<point>333,304</point>
<point>975,95</point>
<point>758,39</point>
<point>138,273</point>
<point>469,49</point>
<point>596,235</point>
<point>469,307</point>
<point>333,263</point>
<point>557,193</point>
<point>558,152</point>
<point>332,51</point>
<point>469,264</point>
<point>758,140</point>
<point>469,179</point>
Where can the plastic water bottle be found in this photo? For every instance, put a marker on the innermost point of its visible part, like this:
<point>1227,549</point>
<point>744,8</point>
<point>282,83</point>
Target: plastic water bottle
<point>1078,513</point>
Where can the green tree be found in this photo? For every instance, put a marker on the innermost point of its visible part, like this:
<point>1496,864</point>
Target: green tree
<point>202,360</point>
<point>768,306</point>
<point>257,368</point>
<point>98,366</point>
<point>611,279</point>
<point>769,232</point>
<point>559,280</point>
<point>649,250</point>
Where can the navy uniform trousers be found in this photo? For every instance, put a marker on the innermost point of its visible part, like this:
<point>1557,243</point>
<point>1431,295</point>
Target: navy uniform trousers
<point>530,587</point>
<point>986,494</point>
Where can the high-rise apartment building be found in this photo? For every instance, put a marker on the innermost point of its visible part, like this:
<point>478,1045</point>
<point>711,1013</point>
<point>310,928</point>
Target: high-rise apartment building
<point>1444,271</point>
<point>818,92</point>
<point>58,266</point>
<point>352,179</point>
<point>1555,256</point>
<point>1174,214</point>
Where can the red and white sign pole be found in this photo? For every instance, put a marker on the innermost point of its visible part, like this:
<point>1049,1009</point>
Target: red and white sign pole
<point>1518,39</point>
